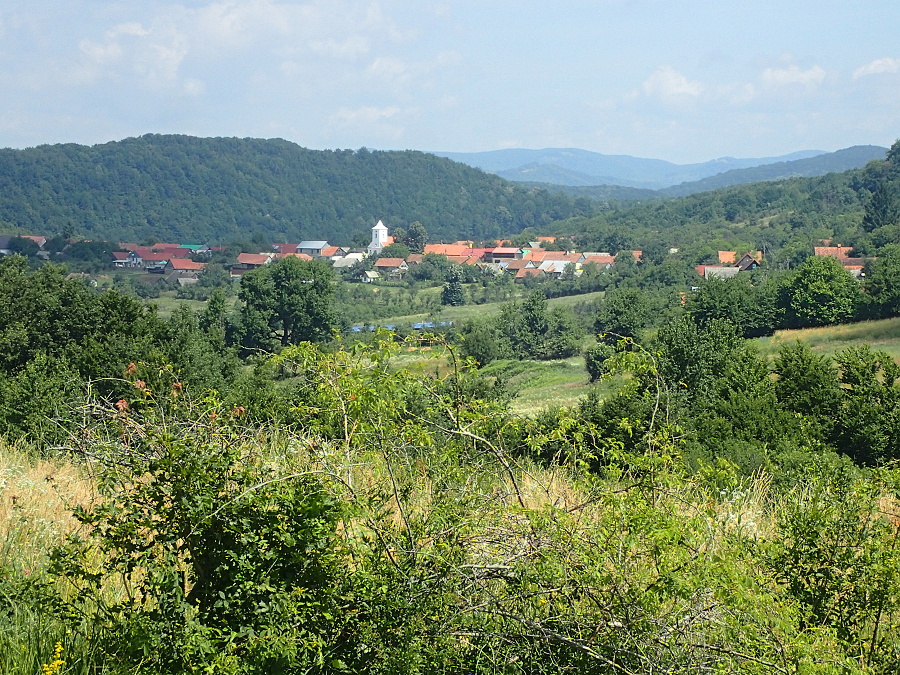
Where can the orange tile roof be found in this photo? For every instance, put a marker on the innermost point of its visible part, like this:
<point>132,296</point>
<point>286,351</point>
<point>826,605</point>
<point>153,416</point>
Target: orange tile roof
<point>839,252</point>
<point>302,256</point>
<point>186,264</point>
<point>562,256</point>
<point>253,258</point>
<point>519,264</point>
<point>389,263</point>
<point>600,260</point>
<point>727,257</point>
<point>446,249</point>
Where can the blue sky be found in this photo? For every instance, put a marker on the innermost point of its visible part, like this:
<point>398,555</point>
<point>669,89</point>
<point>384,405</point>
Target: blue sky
<point>685,81</point>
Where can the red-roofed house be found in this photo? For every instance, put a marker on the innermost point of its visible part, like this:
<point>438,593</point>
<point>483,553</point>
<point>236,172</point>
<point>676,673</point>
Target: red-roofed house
<point>727,257</point>
<point>251,260</point>
<point>394,267</point>
<point>302,256</point>
<point>503,253</point>
<point>601,260</point>
<point>446,249</point>
<point>284,248</point>
<point>126,259</point>
<point>842,253</point>
<point>528,272</point>
<point>39,240</point>
<point>184,265</point>
<point>516,265</point>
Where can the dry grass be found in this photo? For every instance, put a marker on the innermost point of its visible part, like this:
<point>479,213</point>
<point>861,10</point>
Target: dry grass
<point>36,500</point>
<point>883,335</point>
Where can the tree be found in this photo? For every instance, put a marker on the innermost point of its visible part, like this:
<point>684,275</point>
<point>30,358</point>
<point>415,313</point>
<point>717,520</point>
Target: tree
<point>693,358</point>
<point>23,246</point>
<point>481,341</point>
<point>625,312</point>
<point>531,332</point>
<point>453,293</point>
<point>286,302</point>
<point>753,308</point>
<point>883,208</point>
<point>808,384</point>
<point>395,250</point>
<point>820,293</point>
<point>883,281</point>
<point>416,237</point>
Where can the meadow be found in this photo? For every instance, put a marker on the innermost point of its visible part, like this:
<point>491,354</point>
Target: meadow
<point>883,335</point>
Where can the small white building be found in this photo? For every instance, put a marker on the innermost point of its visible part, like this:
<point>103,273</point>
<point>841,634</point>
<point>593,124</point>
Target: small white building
<point>380,238</point>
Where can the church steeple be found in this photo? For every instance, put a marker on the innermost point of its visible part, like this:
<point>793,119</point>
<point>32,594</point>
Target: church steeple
<point>379,238</point>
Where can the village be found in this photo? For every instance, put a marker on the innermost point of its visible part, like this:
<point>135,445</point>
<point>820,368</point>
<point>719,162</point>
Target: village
<point>181,263</point>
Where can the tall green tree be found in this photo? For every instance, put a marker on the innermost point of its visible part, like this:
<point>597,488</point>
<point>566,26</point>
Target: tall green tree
<point>753,308</point>
<point>453,294</point>
<point>624,313</point>
<point>532,332</point>
<point>286,302</point>
<point>820,293</point>
<point>883,281</point>
<point>416,237</point>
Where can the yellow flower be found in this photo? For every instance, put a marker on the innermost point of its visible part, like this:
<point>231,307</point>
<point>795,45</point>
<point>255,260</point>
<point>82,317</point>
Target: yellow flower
<point>53,667</point>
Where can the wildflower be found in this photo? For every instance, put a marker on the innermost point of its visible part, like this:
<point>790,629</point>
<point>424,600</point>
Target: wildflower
<point>56,664</point>
<point>121,405</point>
<point>239,411</point>
<point>130,369</point>
<point>140,384</point>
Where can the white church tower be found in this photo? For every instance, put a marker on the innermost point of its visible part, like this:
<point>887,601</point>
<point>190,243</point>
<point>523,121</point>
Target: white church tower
<point>379,238</point>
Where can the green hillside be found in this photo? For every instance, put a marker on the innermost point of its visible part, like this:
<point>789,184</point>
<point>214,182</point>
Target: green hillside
<point>213,189</point>
<point>832,162</point>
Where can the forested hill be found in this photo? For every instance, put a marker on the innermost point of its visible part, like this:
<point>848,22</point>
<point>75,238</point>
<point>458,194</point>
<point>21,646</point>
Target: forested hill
<point>832,162</point>
<point>182,188</point>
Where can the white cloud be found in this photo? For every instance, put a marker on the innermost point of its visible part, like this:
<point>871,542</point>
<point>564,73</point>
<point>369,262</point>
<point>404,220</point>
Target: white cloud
<point>739,93</point>
<point>389,68</point>
<point>368,122</point>
<point>878,66</point>
<point>348,48</point>
<point>793,75</point>
<point>364,115</point>
<point>101,53</point>
<point>668,83</point>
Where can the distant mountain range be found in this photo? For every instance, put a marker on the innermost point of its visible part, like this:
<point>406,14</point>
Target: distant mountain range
<point>582,168</point>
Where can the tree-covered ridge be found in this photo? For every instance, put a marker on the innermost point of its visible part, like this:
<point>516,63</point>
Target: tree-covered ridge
<point>210,189</point>
<point>785,217</point>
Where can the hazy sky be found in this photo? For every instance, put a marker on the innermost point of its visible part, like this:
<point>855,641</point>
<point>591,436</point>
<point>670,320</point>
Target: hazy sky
<point>683,80</point>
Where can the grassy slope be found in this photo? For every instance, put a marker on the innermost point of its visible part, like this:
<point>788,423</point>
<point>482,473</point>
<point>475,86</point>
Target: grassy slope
<point>883,335</point>
<point>537,384</point>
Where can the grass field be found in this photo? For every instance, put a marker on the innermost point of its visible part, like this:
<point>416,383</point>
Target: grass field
<point>461,314</point>
<point>167,303</point>
<point>883,335</point>
<point>539,385</point>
